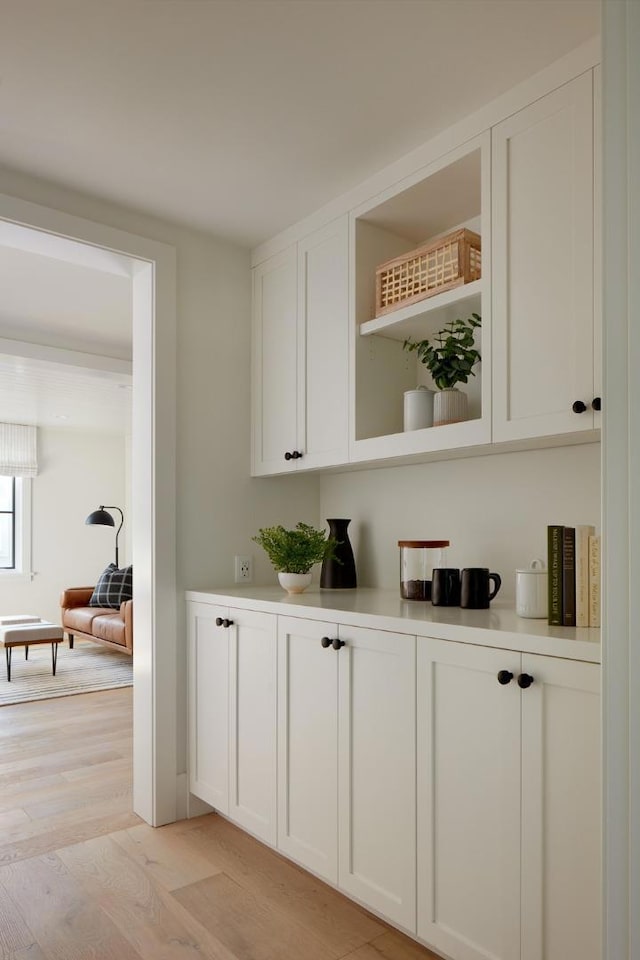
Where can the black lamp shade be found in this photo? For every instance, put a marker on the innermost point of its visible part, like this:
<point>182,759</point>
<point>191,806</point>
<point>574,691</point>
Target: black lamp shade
<point>101,517</point>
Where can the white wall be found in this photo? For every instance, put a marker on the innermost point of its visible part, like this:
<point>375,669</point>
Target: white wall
<point>77,472</point>
<point>218,506</point>
<point>493,509</point>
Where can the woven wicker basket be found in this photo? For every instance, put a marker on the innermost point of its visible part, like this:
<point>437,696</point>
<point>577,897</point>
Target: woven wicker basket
<point>430,269</point>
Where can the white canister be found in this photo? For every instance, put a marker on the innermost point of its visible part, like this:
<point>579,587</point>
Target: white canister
<point>531,591</point>
<point>418,408</point>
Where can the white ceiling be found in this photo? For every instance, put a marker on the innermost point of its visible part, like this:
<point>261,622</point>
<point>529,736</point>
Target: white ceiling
<point>242,116</point>
<point>50,394</point>
<point>74,301</point>
<point>47,300</point>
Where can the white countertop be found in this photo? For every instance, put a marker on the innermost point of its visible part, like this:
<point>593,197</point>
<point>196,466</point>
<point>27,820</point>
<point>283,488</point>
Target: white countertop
<point>385,610</point>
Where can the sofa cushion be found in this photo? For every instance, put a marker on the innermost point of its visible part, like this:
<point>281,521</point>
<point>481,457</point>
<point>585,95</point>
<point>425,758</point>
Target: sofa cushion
<point>113,587</point>
<point>81,618</point>
<point>109,626</point>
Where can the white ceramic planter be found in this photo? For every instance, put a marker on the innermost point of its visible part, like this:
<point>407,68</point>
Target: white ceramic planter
<point>449,406</point>
<point>418,409</point>
<point>294,582</point>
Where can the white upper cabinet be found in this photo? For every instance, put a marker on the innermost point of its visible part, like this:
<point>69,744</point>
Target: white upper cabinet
<point>323,345</point>
<point>301,354</point>
<point>543,266</point>
<point>329,366</point>
<point>275,363</point>
<point>451,193</point>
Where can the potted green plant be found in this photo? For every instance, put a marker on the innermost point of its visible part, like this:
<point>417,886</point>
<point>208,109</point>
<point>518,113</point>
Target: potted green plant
<point>294,552</point>
<point>450,357</point>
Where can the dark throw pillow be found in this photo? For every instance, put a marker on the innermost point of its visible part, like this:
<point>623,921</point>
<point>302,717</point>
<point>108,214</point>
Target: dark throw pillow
<point>113,587</point>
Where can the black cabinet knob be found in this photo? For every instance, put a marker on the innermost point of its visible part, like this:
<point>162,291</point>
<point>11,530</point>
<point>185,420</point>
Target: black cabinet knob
<point>296,455</point>
<point>525,680</point>
<point>336,644</point>
<point>326,642</point>
<point>504,677</point>
<point>288,456</point>
<point>579,407</point>
<point>219,621</point>
<point>596,403</point>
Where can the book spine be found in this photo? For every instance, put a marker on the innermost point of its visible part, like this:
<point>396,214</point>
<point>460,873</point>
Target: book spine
<point>582,573</point>
<point>569,577</point>
<point>594,581</point>
<point>554,566</point>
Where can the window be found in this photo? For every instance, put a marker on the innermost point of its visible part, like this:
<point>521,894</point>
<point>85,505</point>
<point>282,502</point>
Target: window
<point>7,523</point>
<point>15,527</point>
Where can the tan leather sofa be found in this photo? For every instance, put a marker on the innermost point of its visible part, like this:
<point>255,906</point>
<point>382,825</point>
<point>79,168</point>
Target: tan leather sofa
<point>114,628</point>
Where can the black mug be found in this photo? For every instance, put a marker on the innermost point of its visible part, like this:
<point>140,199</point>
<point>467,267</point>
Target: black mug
<point>474,591</point>
<point>445,587</point>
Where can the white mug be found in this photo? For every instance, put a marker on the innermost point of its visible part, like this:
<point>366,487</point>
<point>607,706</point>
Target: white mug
<point>531,591</point>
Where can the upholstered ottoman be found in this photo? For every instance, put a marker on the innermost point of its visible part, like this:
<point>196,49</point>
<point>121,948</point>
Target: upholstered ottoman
<point>22,631</point>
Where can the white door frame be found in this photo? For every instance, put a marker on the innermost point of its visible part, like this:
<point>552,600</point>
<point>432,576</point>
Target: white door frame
<point>153,496</point>
<point>621,478</point>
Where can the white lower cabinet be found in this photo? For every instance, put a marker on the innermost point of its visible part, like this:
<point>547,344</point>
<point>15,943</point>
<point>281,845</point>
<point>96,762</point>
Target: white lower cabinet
<point>452,788</point>
<point>508,804</point>
<point>346,760</point>
<point>232,714</point>
<point>561,810</point>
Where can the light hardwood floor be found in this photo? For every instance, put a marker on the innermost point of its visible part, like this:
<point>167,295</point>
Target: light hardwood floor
<point>83,878</point>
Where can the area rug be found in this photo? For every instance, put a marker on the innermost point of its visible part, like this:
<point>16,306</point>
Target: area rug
<point>88,667</point>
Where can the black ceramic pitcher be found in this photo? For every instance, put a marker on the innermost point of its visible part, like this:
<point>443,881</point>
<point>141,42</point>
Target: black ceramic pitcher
<point>339,572</point>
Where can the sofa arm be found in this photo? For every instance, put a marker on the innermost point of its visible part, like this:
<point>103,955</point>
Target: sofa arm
<point>126,609</point>
<point>75,597</point>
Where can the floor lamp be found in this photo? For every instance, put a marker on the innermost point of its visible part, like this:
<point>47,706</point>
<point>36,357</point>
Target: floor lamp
<point>104,519</point>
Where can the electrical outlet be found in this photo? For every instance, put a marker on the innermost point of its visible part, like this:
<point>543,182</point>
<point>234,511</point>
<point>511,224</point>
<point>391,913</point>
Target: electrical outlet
<point>244,570</point>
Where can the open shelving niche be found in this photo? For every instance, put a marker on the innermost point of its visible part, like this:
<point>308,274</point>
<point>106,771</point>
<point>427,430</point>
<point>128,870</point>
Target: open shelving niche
<point>450,193</point>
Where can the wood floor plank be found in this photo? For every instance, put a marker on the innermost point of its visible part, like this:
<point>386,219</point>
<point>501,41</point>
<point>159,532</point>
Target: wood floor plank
<point>45,837</point>
<point>15,935</point>
<point>340,924</point>
<point>83,878</point>
<point>150,918</point>
<point>32,952</point>
<point>164,856</point>
<point>65,922</point>
<point>9,818</point>
<point>250,926</point>
<point>67,797</point>
<point>392,945</point>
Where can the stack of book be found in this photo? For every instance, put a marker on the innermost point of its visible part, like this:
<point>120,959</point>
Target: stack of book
<point>574,576</point>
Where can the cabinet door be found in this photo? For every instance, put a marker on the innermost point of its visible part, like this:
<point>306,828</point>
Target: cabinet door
<point>561,812</point>
<point>323,345</point>
<point>468,751</point>
<point>543,265</point>
<point>376,810</point>
<point>252,723</point>
<point>274,346</point>
<point>308,745</point>
<point>208,705</point>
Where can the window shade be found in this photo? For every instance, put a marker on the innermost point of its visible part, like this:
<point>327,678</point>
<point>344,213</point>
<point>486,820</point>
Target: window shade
<point>18,452</point>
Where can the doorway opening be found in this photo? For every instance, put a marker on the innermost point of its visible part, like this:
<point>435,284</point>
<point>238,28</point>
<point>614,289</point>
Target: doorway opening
<point>152,506</point>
